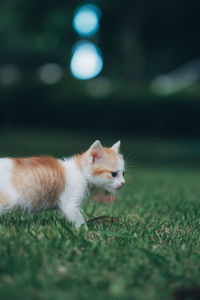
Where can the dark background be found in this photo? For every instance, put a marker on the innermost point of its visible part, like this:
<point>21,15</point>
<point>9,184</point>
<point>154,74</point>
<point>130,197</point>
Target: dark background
<point>139,40</point>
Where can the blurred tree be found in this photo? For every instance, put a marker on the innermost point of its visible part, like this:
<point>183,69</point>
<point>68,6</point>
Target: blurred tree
<point>139,38</point>
<point>147,37</point>
<point>35,31</point>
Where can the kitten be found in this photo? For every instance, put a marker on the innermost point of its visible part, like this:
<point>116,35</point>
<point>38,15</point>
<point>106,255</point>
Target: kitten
<point>44,182</point>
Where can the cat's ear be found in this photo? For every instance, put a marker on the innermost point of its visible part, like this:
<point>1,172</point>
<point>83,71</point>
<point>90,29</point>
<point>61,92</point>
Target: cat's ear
<point>96,152</point>
<point>116,147</point>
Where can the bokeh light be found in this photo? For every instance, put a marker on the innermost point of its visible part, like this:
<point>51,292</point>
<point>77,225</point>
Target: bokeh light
<point>9,74</point>
<point>178,79</point>
<point>86,61</point>
<point>50,73</point>
<point>86,20</point>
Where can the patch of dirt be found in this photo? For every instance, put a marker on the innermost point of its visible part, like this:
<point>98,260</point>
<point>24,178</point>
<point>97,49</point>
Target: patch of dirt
<point>105,220</point>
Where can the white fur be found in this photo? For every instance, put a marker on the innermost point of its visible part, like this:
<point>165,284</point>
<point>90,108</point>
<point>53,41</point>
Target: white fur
<point>78,181</point>
<point>70,200</point>
<point>75,191</point>
<point>116,147</point>
<point>6,186</point>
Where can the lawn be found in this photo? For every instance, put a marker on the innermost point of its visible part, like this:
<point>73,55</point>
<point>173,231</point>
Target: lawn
<point>152,253</point>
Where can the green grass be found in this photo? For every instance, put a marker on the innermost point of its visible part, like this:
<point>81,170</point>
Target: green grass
<point>153,251</point>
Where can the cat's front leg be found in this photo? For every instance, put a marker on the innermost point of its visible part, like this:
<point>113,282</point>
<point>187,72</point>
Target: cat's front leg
<point>73,215</point>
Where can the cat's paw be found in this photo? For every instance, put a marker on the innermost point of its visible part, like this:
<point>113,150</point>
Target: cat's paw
<point>82,226</point>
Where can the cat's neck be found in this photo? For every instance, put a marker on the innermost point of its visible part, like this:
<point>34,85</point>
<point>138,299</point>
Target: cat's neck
<point>82,164</point>
<point>76,172</point>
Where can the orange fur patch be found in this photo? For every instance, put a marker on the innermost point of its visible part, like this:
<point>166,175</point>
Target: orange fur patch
<point>38,179</point>
<point>4,201</point>
<point>108,164</point>
<point>99,171</point>
<point>110,151</point>
<point>111,157</point>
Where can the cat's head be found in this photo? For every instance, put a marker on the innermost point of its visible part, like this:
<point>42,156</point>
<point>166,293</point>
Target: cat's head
<point>104,167</point>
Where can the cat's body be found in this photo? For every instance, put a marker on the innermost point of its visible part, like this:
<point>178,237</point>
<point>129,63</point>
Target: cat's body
<point>44,182</point>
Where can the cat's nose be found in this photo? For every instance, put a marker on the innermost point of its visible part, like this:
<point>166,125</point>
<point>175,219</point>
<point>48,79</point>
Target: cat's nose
<point>121,184</point>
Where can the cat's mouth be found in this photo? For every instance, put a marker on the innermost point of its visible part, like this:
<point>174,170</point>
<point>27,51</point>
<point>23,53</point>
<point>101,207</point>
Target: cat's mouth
<point>109,191</point>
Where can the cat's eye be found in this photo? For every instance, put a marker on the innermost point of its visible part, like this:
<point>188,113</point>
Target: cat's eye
<point>114,174</point>
<point>123,174</point>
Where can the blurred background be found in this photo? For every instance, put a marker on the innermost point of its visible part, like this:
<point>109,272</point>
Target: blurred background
<point>75,71</point>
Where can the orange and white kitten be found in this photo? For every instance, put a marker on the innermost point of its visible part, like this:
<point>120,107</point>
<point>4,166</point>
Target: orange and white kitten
<point>44,182</point>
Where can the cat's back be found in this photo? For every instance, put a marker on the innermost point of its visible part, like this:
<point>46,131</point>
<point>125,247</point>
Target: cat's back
<point>7,192</point>
<point>5,171</point>
<point>39,180</point>
<point>5,164</point>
